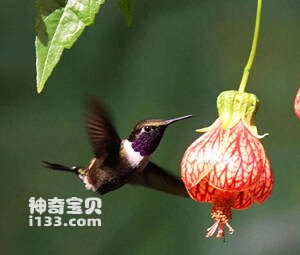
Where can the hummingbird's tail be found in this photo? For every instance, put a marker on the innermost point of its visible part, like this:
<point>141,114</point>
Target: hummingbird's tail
<point>73,169</point>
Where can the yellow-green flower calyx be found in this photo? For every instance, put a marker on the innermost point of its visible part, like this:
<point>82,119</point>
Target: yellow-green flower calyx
<point>234,106</point>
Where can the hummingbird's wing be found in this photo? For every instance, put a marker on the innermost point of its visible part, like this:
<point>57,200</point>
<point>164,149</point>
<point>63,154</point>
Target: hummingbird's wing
<point>102,134</point>
<point>155,177</point>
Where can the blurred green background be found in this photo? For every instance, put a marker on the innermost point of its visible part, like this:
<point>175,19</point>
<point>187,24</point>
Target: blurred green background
<point>175,59</point>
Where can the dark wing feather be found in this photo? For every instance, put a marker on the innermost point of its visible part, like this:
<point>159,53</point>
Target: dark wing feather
<point>101,132</point>
<point>155,177</point>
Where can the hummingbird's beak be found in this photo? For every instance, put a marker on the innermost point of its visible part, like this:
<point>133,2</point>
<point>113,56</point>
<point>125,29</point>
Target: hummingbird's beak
<point>168,122</point>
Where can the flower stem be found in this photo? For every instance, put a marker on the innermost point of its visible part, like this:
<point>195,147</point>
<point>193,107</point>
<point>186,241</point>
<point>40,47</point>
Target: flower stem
<point>253,49</point>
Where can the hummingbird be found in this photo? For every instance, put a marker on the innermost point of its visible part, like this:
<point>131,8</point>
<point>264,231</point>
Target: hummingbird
<point>117,161</point>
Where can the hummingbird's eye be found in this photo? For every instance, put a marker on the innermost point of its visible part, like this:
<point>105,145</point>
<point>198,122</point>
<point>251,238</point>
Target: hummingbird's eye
<point>147,129</point>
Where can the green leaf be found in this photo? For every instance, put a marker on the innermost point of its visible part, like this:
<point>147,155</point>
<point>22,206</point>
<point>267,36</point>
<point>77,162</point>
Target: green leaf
<point>58,26</point>
<point>127,9</point>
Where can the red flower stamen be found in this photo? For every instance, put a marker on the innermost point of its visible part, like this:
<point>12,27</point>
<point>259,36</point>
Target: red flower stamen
<point>221,213</point>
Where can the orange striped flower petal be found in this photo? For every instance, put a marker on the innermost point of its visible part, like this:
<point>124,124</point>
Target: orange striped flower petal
<point>202,192</point>
<point>243,200</point>
<point>199,158</point>
<point>240,157</point>
<point>263,189</point>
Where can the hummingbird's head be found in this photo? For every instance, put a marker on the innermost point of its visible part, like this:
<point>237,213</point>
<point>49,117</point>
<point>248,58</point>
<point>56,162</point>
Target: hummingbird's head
<point>146,135</point>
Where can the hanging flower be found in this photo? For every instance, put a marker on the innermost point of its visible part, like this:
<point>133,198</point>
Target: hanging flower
<point>227,166</point>
<point>297,104</point>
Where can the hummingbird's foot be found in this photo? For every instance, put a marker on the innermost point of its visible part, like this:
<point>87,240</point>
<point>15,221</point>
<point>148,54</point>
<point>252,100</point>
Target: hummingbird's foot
<point>86,182</point>
<point>84,175</point>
